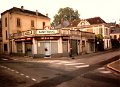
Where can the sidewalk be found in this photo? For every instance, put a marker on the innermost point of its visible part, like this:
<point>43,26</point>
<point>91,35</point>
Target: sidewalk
<point>30,59</point>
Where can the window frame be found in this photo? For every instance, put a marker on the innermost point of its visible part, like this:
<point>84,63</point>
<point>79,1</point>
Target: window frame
<point>18,21</point>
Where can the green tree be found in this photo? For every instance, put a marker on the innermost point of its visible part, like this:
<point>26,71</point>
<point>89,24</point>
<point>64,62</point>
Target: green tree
<point>65,14</point>
<point>99,44</point>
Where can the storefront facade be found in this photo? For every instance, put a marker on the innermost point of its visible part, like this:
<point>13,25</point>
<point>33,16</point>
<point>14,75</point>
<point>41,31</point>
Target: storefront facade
<point>51,43</point>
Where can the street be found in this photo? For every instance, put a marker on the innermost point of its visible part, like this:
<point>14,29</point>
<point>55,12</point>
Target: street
<point>82,72</point>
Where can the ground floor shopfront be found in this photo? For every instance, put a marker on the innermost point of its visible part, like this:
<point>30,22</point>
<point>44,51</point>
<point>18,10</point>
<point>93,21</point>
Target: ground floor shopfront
<point>69,43</point>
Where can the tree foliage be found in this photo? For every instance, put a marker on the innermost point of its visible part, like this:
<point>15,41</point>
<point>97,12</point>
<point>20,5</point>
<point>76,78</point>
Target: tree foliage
<point>65,14</point>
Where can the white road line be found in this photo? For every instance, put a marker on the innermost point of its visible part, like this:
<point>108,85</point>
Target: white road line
<point>102,68</point>
<point>4,59</point>
<point>12,70</point>
<point>16,72</point>
<point>4,67</point>
<point>8,68</point>
<point>74,64</point>
<point>27,76</point>
<point>105,71</point>
<point>22,74</point>
<point>33,79</point>
<point>82,66</point>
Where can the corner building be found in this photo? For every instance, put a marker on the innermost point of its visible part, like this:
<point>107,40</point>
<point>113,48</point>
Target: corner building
<point>27,33</point>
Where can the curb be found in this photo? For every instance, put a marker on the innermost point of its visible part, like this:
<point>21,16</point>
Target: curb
<point>114,69</point>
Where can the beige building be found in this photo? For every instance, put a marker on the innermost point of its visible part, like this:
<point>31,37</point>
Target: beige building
<point>17,20</point>
<point>97,26</point>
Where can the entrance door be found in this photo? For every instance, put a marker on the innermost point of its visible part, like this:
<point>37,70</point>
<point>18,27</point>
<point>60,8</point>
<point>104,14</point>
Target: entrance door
<point>47,49</point>
<point>74,47</point>
<point>28,49</point>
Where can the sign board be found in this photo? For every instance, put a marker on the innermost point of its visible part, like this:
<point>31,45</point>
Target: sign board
<point>28,33</point>
<point>47,31</point>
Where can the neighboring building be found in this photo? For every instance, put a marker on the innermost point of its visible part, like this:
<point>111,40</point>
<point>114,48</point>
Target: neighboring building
<point>17,20</point>
<point>97,26</point>
<point>115,33</point>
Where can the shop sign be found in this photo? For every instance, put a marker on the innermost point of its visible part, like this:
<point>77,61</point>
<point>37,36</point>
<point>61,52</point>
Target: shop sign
<point>27,33</point>
<point>47,31</point>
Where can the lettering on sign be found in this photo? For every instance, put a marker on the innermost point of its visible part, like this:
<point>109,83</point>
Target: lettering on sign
<point>47,31</point>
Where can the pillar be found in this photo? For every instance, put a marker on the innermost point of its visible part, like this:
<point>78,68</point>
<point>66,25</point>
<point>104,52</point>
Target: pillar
<point>34,46</point>
<point>60,48</point>
<point>23,47</point>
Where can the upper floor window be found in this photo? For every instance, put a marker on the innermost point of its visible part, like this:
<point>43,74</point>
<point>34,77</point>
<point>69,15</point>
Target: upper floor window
<point>6,35</point>
<point>43,25</point>
<point>5,22</point>
<point>18,22</point>
<point>100,31</point>
<point>32,23</point>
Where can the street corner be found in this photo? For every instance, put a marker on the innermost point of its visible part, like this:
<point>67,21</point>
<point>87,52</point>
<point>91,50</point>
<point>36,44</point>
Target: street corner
<point>114,67</point>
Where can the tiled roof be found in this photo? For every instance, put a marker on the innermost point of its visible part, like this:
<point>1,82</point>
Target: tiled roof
<point>15,9</point>
<point>95,20</point>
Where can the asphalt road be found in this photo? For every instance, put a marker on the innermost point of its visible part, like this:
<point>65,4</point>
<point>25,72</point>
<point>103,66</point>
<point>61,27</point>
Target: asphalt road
<point>58,73</point>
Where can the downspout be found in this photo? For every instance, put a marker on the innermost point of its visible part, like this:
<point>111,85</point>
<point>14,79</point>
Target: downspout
<point>9,51</point>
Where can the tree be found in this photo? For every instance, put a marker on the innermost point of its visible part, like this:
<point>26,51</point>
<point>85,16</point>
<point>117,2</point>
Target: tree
<point>99,44</point>
<point>65,14</point>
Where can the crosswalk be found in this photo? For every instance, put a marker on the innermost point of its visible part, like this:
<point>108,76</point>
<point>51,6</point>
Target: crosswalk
<point>66,63</point>
<point>103,70</point>
<point>4,59</point>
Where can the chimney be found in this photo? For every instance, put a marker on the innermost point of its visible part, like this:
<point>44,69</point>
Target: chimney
<point>22,7</point>
<point>37,12</point>
<point>47,14</point>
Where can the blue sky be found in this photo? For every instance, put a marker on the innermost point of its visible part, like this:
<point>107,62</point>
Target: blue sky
<point>109,10</point>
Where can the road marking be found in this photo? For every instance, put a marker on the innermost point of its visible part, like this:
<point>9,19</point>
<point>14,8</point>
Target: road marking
<point>22,74</point>
<point>33,79</point>
<point>27,76</point>
<point>8,68</point>
<point>12,70</point>
<point>4,67</point>
<point>4,59</point>
<point>102,68</point>
<point>16,72</point>
<point>82,66</point>
<point>105,71</point>
<point>74,64</point>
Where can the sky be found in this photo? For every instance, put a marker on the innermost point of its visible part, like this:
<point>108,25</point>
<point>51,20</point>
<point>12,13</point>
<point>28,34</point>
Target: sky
<point>108,10</point>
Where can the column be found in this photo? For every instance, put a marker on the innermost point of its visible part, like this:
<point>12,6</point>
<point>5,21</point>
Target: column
<point>34,46</point>
<point>60,48</point>
<point>23,47</point>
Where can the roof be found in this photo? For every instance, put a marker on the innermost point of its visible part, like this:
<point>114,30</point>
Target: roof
<point>15,9</point>
<point>95,20</point>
